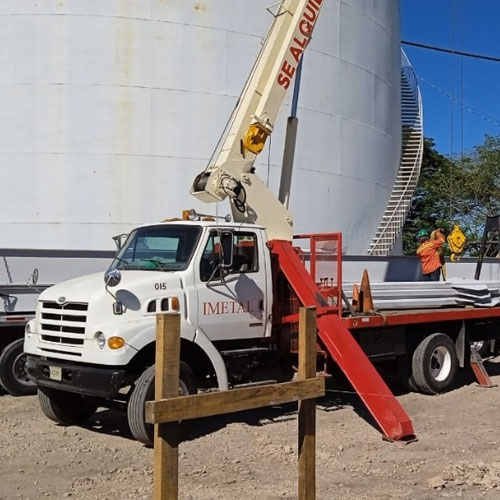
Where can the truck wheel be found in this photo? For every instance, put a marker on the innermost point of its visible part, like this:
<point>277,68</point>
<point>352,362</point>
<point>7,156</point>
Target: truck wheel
<point>66,408</point>
<point>482,347</point>
<point>13,376</point>
<point>144,390</point>
<point>434,364</point>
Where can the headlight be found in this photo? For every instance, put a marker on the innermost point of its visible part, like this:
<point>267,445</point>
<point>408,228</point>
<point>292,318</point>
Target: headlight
<point>27,328</point>
<point>101,340</point>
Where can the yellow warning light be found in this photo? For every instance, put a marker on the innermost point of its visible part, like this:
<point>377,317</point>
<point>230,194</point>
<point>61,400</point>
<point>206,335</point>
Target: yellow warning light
<point>185,214</point>
<point>175,304</point>
<point>255,138</point>
<point>116,342</point>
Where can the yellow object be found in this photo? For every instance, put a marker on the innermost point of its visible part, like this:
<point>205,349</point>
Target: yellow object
<point>186,214</point>
<point>456,241</point>
<point>255,138</point>
<point>175,304</point>
<point>116,342</point>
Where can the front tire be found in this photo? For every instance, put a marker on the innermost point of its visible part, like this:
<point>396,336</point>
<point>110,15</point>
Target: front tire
<point>144,390</point>
<point>66,408</point>
<point>13,376</point>
<point>434,364</point>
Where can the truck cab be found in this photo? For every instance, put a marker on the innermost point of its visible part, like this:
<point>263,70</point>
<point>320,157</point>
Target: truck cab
<point>92,338</point>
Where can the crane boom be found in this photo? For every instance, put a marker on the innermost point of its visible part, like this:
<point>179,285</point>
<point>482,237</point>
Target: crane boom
<point>231,172</point>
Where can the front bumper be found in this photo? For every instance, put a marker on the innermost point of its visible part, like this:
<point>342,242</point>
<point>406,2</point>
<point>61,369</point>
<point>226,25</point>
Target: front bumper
<point>87,380</point>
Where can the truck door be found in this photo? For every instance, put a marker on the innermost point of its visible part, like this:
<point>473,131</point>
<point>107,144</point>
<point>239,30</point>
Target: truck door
<point>231,301</point>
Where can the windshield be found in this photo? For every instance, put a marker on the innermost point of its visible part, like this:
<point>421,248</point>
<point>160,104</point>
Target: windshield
<point>158,248</point>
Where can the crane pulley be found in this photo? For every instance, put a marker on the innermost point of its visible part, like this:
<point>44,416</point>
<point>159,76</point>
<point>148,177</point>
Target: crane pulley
<point>456,241</point>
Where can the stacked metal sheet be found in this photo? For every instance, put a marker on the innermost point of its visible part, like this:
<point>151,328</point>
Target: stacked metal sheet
<point>432,294</point>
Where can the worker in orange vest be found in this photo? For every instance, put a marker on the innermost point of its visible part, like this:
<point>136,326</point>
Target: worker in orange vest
<point>429,251</point>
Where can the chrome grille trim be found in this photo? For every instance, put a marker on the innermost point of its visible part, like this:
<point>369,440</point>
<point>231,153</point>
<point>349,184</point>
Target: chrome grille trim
<point>63,323</point>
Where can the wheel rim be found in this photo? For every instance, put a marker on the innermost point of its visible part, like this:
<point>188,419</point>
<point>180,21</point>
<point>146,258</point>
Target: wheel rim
<point>478,344</point>
<point>183,388</point>
<point>19,370</point>
<point>440,363</point>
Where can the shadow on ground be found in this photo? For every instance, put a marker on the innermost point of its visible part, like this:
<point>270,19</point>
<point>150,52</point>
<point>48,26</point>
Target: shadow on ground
<point>339,395</point>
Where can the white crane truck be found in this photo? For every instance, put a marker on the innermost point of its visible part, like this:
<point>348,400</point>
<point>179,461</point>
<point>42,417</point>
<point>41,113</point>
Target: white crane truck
<point>237,286</point>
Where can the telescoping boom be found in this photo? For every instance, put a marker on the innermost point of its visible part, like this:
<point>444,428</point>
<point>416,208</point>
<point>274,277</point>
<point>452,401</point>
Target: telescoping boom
<point>230,174</point>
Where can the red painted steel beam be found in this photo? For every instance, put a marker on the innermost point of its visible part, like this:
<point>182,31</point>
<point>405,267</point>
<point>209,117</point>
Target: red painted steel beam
<point>420,316</point>
<point>482,377</point>
<point>378,398</point>
<point>384,407</point>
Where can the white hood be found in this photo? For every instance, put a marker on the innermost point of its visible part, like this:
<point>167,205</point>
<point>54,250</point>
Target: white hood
<point>91,287</point>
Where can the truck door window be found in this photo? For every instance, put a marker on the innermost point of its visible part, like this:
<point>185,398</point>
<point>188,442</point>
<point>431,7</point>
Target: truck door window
<point>245,253</point>
<point>244,258</point>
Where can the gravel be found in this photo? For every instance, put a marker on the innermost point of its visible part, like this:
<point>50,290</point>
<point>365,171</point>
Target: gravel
<point>254,454</point>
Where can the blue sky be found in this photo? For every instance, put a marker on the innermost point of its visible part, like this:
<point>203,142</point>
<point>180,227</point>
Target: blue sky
<point>471,26</point>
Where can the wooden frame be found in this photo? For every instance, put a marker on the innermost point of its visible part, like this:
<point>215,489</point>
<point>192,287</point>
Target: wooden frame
<point>168,407</point>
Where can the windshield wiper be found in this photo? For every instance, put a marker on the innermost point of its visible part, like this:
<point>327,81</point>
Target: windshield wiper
<point>159,263</point>
<point>124,262</point>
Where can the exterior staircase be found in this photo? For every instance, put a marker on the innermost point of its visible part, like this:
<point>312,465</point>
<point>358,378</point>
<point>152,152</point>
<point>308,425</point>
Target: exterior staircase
<point>412,148</point>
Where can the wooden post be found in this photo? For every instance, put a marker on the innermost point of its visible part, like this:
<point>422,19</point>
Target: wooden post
<point>166,437</point>
<point>169,407</point>
<point>307,407</point>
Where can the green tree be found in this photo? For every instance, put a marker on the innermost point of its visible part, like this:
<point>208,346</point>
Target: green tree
<point>460,190</point>
<point>481,182</point>
<point>431,205</point>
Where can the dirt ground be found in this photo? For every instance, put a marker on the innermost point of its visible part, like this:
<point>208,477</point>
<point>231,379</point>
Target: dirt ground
<point>253,454</point>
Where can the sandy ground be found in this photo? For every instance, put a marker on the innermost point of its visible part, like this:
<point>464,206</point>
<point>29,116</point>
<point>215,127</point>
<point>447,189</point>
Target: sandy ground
<point>253,454</point>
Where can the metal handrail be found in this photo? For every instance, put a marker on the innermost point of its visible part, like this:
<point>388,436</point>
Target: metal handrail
<point>393,220</point>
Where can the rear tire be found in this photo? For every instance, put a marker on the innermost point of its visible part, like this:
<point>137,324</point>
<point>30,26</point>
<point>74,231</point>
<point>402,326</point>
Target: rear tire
<point>144,390</point>
<point>434,364</point>
<point>66,408</point>
<point>13,376</point>
<point>483,347</point>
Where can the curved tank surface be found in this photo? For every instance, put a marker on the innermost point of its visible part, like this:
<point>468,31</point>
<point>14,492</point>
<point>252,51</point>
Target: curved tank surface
<point>108,109</point>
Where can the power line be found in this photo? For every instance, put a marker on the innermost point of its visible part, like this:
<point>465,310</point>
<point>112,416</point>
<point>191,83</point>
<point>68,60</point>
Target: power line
<point>451,51</point>
<point>480,113</point>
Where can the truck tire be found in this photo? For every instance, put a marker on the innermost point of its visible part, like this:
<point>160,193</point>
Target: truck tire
<point>66,408</point>
<point>434,364</point>
<point>13,376</point>
<point>482,347</point>
<point>144,390</point>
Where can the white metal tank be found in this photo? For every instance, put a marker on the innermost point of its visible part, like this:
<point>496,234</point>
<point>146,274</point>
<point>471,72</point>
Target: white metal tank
<point>109,108</point>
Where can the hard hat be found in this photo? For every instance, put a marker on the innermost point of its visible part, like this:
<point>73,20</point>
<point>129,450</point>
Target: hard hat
<point>423,233</point>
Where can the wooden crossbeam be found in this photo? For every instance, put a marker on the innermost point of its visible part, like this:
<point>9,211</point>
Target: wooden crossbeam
<point>168,408</point>
<point>219,403</point>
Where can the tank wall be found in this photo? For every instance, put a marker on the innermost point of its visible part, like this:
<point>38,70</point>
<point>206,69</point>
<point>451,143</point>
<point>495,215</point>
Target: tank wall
<point>109,108</point>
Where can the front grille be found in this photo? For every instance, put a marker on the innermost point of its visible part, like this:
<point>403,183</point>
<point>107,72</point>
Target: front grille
<point>63,323</point>
<point>61,340</point>
<point>69,306</point>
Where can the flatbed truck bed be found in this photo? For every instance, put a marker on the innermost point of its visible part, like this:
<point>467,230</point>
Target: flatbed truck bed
<point>420,316</point>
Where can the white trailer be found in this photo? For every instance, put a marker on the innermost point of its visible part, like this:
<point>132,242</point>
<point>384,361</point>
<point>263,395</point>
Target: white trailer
<point>24,274</point>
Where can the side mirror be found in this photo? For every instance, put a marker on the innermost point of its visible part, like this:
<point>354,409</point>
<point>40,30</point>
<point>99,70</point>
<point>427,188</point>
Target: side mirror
<point>226,241</point>
<point>112,277</point>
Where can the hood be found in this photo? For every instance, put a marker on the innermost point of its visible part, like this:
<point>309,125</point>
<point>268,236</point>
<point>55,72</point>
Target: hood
<point>91,287</point>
